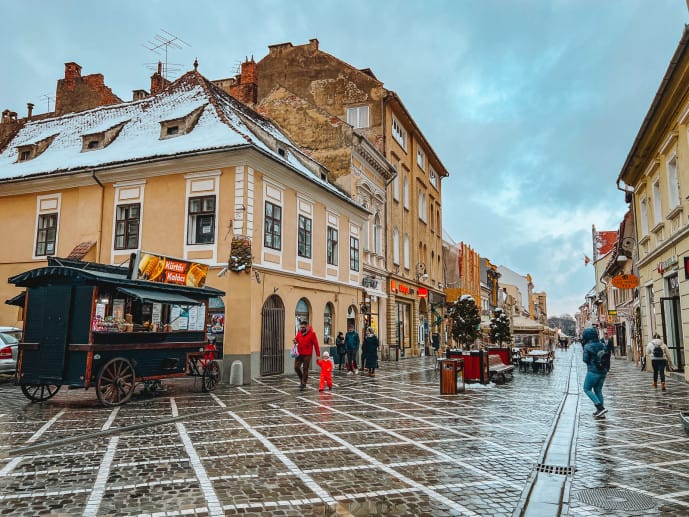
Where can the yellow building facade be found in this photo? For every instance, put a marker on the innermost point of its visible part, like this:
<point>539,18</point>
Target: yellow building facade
<point>192,176</point>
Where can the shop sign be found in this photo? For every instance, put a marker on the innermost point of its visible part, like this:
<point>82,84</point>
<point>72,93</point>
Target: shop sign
<point>158,268</point>
<point>665,264</point>
<point>686,268</point>
<point>423,292</point>
<point>612,312</point>
<point>625,281</point>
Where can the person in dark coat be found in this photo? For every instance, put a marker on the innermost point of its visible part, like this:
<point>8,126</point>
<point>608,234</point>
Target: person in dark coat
<point>369,352</point>
<point>351,342</point>
<point>341,351</point>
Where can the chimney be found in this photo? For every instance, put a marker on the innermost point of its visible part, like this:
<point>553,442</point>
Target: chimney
<point>72,73</point>
<point>29,107</point>
<point>244,87</point>
<point>137,95</point>
<point>158,82</point>
<point>314,43</point>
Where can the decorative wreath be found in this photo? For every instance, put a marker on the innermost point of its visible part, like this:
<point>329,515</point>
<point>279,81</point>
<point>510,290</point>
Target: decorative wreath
<point>240,255</point>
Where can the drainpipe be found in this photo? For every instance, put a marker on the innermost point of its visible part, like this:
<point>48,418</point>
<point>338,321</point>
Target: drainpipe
<point>100,218</point>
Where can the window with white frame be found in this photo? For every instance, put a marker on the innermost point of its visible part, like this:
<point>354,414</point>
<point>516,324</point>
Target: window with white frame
<point>331,246</point>
<point>395,246</point>
<point>127,221</point>
<point>47,219</point>
<point>46,234</point>
<point>201,223</point>
<point>643,209</point>
<point>358,116</point>
<point>433,178</point>
<point>657,204</point>
<point>304,238</point>
<point>672,183</point>
<point>422,207</point>
<point>353,253</point>
<point>405,192</point>
<point>399,133</point>
<point>272,226</point>
<point>406,251</point>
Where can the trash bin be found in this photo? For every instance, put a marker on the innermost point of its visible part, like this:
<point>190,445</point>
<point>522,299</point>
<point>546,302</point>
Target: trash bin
<point>451,376</point>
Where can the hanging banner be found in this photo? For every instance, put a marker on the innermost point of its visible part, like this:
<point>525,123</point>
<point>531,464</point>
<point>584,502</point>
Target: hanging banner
<point>158,268</point>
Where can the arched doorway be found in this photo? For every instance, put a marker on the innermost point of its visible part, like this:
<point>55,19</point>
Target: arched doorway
<point>273,336</point>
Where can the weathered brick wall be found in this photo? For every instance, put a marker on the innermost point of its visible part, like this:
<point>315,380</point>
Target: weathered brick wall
<point>78,93</point>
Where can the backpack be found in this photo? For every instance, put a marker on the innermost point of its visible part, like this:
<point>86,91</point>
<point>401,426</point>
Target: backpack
<point>658,352</point>
<point>602,359</point>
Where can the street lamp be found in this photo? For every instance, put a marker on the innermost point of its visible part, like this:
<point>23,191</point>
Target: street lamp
<point>421,271</point>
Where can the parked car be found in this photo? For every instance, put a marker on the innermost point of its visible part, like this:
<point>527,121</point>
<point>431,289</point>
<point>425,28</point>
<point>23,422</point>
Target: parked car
<point>9,349</point>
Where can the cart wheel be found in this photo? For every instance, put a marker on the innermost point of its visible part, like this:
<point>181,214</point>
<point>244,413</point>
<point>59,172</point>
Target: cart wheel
<point>211,376</point>
<point>116,381</point>
<point>40,392</point>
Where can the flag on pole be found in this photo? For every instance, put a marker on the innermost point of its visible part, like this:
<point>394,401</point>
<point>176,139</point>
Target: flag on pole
<point>586,261</point>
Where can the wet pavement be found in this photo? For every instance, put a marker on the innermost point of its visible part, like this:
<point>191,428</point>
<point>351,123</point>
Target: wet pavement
<point>388,445</point>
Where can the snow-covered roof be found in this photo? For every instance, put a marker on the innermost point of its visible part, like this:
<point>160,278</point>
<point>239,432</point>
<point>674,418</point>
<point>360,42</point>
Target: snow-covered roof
<point>223,123</point>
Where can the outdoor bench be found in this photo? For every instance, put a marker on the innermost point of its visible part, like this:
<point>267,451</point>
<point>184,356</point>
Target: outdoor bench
<point>497,369</point>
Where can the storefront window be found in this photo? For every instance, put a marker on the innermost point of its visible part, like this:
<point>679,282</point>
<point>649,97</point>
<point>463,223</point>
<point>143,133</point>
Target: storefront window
<point>328,323</point>
<point>302,312</point>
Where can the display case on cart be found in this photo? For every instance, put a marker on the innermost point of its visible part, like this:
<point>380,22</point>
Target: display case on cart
<point>93,325</point>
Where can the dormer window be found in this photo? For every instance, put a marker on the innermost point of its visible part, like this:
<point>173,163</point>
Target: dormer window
<point>30,151</point>
<point>100,139</point>
<point>180,125</point>
<point>282,152</point>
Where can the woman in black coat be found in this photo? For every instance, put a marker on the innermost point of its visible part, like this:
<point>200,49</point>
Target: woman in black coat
<point>369,352</point>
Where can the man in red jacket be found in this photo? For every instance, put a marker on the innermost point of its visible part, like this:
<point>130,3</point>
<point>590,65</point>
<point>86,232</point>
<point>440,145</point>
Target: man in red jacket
<point>306,341</point>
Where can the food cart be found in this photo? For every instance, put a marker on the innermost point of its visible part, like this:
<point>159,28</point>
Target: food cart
<point>94,325</point>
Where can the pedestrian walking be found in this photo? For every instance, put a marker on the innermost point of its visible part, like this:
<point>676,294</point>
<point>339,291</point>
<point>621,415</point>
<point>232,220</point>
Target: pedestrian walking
<point>597,359</point>
<point>369,352</point>
<point>352,342</point>
<point>341,351</point>
<point>306,341</point>
<point>327,365</point>
<point>660,359</point>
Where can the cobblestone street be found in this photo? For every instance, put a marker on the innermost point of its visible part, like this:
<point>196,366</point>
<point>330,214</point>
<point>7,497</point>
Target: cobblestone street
<point>389,445</point>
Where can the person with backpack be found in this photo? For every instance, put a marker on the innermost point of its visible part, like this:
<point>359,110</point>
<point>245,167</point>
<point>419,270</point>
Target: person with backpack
<point>660,359</point>
<point>597,359</point>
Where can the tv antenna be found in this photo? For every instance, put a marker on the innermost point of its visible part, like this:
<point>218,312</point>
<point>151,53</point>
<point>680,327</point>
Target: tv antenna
<point>160,44</point>
<point>48,98</point>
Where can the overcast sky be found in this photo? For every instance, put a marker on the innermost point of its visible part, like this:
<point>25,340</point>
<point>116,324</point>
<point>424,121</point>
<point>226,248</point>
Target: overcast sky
<point>531,105</point>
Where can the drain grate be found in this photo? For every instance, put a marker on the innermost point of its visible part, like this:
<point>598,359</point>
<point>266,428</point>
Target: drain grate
<point>555,469</point>
<point>615,499</point>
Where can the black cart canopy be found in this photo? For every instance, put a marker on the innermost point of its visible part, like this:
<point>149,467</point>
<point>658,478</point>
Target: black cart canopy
<point>73,272</point>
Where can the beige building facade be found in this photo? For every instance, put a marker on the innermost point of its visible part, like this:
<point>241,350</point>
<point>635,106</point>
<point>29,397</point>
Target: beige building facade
<point>655,178</point>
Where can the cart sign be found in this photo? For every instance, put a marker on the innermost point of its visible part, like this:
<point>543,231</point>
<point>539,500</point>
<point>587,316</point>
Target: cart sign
<point>625,281</point>
<point>157,268</point>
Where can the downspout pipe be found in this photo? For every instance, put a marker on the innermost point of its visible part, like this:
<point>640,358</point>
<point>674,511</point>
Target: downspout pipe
<point>100,218</point>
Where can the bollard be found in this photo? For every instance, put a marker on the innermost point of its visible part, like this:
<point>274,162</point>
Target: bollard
<point>236,373</point>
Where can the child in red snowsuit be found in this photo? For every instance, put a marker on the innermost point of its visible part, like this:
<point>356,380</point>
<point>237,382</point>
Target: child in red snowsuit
<point>326,365</point>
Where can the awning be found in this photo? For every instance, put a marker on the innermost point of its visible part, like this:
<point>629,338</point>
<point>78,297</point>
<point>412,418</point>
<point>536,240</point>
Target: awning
<point>17,300</point>
<point>152,296</point>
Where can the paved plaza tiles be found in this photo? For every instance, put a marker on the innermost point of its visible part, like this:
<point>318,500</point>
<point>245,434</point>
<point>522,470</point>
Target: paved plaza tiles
<point>388,445</point>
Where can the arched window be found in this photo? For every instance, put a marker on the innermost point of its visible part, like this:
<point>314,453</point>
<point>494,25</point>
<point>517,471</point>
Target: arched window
<point>302,312</point>
<point>406,193</point>
<point>377,235</point>
<point>395,246</point>
<point>328,323</point>
<point>406,251</point>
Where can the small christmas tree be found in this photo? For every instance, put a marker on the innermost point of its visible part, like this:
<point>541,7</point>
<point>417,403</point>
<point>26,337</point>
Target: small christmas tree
<point>500,327</point>
<point>466,320</point>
